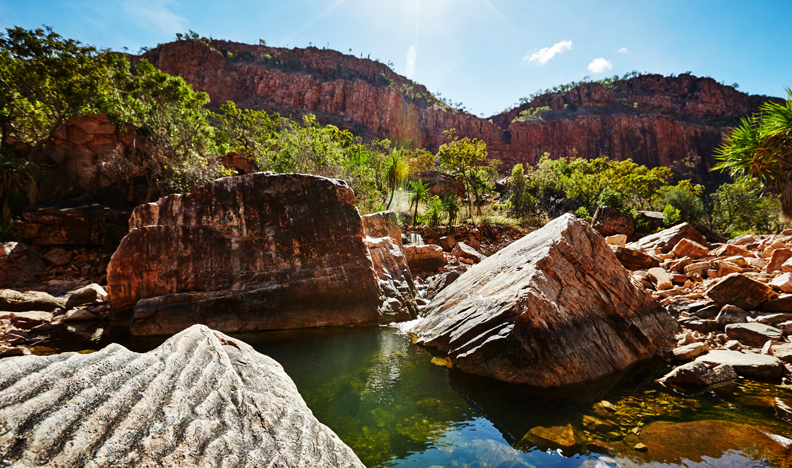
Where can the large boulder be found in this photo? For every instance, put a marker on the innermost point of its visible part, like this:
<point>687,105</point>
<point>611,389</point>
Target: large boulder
<point>425,258</point>
<point>19,264</point>
<point>201,398</point>
<point>254,252</point>
<point>667,239</point>
<point>610,221</point>
<point>741,291</point>
<point>555,307</point>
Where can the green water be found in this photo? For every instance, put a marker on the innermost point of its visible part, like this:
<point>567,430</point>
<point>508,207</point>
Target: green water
<point>385,398</point>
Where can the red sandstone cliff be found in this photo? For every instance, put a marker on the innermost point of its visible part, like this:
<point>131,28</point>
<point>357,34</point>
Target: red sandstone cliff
<point>652,119</point>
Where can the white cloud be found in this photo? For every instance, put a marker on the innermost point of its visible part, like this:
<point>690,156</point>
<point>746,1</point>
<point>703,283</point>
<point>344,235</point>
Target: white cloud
<point>410,62</point>
<point>623,50</point>
<point>547,53</point>
<point>156,15</point>
<point>599,65</point>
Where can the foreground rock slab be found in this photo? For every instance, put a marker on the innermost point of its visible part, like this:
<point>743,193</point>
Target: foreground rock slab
<point>555,307</point>
<point>200,399</point>
<point>746,364</point>
<point>255,252</point>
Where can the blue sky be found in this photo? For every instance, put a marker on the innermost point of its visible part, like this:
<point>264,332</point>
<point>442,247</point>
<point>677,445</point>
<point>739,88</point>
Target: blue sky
<point>483,53</point>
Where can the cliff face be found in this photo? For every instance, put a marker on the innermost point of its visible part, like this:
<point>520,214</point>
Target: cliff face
<point>652,119</point>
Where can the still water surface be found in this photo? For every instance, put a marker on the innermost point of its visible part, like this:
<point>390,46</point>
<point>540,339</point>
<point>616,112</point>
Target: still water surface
<point>386,399</point>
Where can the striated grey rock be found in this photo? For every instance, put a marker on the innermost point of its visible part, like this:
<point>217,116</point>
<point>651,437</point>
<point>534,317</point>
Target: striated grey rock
<point>555,307</point>
<point>698,375</point>
<point>200,399</point>
<point>746,364</point>
<point>754,334</point>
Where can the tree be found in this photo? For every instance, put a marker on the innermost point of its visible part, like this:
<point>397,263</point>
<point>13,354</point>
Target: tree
<point>245,131</point>
<point>742,206</point>
<point>396,172</point>
<point>521,203</point>
<point>418,192</point>
<point>761,146</point>
<point>463,157</point>
<point>45,80</point>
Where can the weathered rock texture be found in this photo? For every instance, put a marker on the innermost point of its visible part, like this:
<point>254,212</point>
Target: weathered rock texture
<point>254,252</point>
<point>72,223</point>
<point>19,264</point>
<point>553,308</point>
<point>653,119</point>
<point>200,399</point>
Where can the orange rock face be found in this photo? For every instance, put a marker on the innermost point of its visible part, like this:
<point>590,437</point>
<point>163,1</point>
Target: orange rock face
<point>652,119</point>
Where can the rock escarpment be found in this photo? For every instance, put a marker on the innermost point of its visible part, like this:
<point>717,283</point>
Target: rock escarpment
<point>200,399</point>
<point>248,253</point>
<point>654,120</point>
<point>553,308</point>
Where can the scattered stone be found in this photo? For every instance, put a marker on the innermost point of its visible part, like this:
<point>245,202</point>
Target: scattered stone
<point>666,240</point>
<point>752,333</point>
<point>463,250</point>
<point>27,320</point>
<point>661,278</point>
<point>696,268</point>
<point>641,447</point>
<point>730,314</point>
<point>741,291</point>
<point>708,312</point>
<point>786,267</point>
<point>745,364</point>
<point>555,299</point>
<point>633,259</point>
<point>619,240</point>
<point>785,327</point>
<point>87,295</point>
<point>690,351</point>
<point>58,257</point>
<point>80,315</point>
<point>773,319</point>
<point>224,401</point>
<point>733,345</point>
<point>591,423</point>
<point>447,243</point>
<point>778,258</point>
<point>610,221</point>
<point>730,250</point>
<point>782,303</point>
<point>439,282</point>
<point>782,352</point>
<point>689,248</point>
<point>15,301</point>
<point>424,258</point>
<point>19,264</point>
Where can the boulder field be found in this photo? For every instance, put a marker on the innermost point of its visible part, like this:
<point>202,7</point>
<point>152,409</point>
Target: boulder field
<point>555,307</point>
<point>259,252</point>
<point>200,399</point>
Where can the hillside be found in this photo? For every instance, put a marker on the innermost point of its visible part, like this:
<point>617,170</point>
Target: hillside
<point>654,120</point>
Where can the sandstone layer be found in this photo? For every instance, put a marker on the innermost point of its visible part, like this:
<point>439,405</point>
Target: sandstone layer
<point>200,399</point>
<point>555,307</point>
<point>248,253</point>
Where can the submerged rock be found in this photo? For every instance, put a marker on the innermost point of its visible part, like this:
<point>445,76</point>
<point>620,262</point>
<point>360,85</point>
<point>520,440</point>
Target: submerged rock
<point>200,399</point>
<point>256,252</point>
<point>555,307</point>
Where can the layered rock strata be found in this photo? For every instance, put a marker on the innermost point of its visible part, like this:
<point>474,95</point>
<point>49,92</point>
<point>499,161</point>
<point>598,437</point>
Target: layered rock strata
<point>555,307</point>
<point>248,253</point>
<point>200,399</point>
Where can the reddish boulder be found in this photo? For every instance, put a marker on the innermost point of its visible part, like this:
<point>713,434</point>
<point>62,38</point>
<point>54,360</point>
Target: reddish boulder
<point>667,239</point>
<point>610,221</point>
<point>739,290</point>
<point>425,258</point>
<point>552,308</point>
<point>633,259</point>
<point>254,252</point>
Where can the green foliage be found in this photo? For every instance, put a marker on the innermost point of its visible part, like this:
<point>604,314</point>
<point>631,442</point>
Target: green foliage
<point>742,206</point>
<point>685,197</point>
<point>451,206</point>
<point>521,204</point>
<point>396,171</point>
<point>583,214</point>
<point>761,146</point>
<point>245,131</point>
<point>45,80</point>
<point>465,158</point>
<point>671,215</point>
<point>612,198</point>
<point>435,211</point>
<point>532,113</point>
<point>418,192</point>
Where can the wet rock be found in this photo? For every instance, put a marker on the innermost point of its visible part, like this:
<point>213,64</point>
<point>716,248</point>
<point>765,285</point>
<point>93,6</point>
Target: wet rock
<point>741,291</point>
<point>552,308</point>
<point>258,251</point>
<point>635,259</point>
<point>19,264</point>
<point>396,286</point>
<point>745,364</point>
<point>666,240</point>
<point>691,351</point>
<point>87,295</point>
<point>556,437</point>
<point>754,334</point>
<point>15,301</point>
<point>201,397</point>
<point>689,248</point>
<point>463,250</point>
<point>610,221</point>
<point>697,375</point>
<point>424,258</point>
<point>597,425</point>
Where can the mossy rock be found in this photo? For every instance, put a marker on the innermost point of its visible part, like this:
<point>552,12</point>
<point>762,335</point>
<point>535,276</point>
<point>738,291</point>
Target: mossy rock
<point>566,438</point>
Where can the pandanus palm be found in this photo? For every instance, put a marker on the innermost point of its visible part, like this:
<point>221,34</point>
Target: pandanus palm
<point>396,172</point>
<point>418,192</point>
<point>761,146</point>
